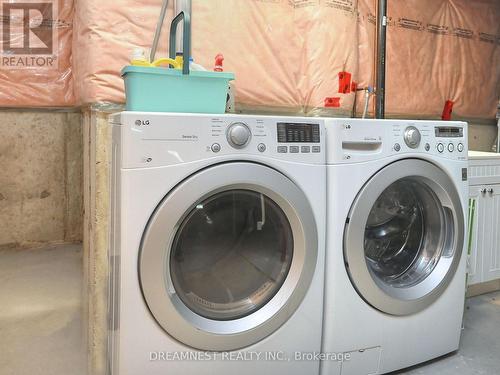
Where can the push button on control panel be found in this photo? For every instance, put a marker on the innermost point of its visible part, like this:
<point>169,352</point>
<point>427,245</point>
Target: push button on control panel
<point>282,149</point>
<point>427,147</point>
<point>316,149</point>
<point>305,149</point>
<point>451,147</point>
<point>397,147</point>
<point>215,147</point>
<point>440,148</point>
<point>294,149</point>
<point>261,147</point>
<point>460,147</point>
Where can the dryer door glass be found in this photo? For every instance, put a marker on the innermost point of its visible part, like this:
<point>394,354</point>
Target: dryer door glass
<point>231,254</point>
<point>228,256</point>
<point>404,233</point>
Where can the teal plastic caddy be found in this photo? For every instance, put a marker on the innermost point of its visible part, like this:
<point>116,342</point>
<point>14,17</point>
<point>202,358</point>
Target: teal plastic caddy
<point>168,90</point>
<point>157,89</point>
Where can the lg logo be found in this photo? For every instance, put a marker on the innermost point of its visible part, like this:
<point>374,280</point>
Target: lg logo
<point>142,122</point>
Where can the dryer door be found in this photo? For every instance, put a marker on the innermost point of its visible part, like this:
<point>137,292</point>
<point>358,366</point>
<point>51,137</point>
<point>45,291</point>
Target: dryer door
<point>404,237</point>
<point>228,256</point>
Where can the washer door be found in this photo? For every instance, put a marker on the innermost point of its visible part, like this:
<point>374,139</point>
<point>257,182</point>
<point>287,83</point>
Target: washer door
<point>228,256</point>
<point>404,237</point>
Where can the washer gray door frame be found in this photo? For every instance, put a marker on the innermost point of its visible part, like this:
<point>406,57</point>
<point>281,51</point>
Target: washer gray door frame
<point>154,271</point>
<point>405,300</point>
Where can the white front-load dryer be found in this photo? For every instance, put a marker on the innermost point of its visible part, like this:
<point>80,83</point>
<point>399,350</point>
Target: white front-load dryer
<point>217,246</point>
<point>396,243</point>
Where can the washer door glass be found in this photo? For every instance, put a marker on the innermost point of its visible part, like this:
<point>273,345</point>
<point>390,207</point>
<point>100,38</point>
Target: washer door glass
<point>403,240</point>
<point>231,254</point>
<point>404,236</point>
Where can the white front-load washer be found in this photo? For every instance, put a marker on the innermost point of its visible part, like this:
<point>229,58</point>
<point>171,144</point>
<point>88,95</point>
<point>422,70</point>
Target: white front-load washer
<point>217,246</point>
<point>395,261</point>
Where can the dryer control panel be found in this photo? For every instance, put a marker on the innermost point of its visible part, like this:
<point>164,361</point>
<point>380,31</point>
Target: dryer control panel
<point>356,140</point>
<point>156,139</point>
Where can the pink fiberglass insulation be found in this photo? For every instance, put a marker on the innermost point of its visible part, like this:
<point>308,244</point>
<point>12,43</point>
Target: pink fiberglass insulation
<point>292,56</point>
<point>287,55</point>
<point>438,51</point>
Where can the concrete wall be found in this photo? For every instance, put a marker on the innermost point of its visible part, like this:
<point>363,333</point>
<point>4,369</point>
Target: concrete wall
<point>41,179</point>
<point>482,137</point>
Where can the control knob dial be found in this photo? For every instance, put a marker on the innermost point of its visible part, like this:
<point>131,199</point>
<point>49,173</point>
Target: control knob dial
<point>238,135</point>
<point>412,137</point>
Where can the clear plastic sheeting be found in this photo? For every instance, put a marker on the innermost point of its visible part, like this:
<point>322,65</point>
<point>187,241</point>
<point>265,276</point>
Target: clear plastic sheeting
<point>286,54</point>
<point>106,32</point>
<point>289,56</point>
<point>437,51</point>
<point>302,56</point>
<point>36,67</point>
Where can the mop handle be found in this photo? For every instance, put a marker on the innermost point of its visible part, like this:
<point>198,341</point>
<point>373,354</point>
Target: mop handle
<point>159,26</point>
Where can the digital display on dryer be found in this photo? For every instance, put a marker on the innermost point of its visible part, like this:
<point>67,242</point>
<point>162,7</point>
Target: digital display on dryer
<point>298,133</point>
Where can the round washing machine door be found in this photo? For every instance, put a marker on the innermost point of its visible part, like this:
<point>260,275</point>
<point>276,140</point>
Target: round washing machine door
<point>404,237</point>
<point>228,256</point>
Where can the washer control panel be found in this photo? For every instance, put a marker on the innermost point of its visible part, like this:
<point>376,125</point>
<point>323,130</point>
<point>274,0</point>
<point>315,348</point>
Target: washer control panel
<point>164,139</point>
<point>351,140</point>
<point>431,138</point>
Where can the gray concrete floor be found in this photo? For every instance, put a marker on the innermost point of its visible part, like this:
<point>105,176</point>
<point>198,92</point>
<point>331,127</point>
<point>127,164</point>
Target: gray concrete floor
<point>479,352</point>
<point>40,311</point>
<point>41,324</point>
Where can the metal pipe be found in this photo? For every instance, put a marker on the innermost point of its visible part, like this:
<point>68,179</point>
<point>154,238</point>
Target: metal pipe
<point>498,136</point>
<point>182,6</point>
<point>381,59</point>
<point>498,124</point>
<point>367,101</point>
<point>159,26</point>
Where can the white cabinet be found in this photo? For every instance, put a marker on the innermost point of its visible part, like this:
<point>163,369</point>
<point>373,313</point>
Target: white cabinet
<point>476,236</point>
<point>484,218</point>
<point>484,233</point>
<point>491,260</point>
